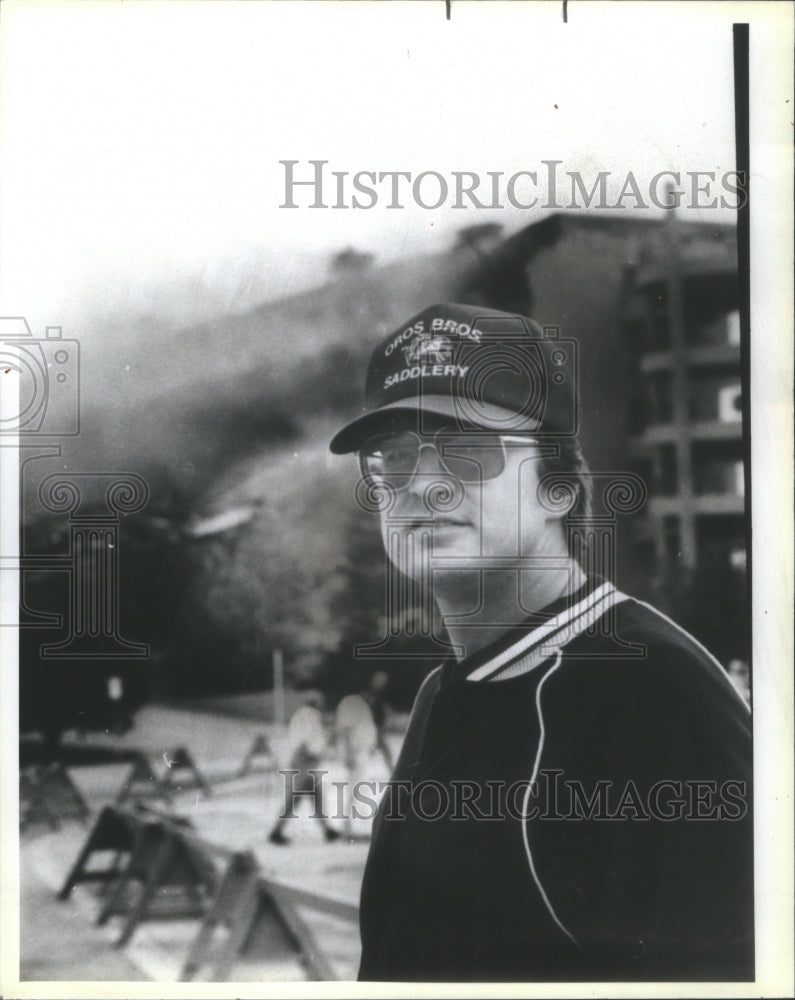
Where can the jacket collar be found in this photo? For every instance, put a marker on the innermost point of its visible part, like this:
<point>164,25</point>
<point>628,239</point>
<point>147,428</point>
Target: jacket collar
<point>541,636</point>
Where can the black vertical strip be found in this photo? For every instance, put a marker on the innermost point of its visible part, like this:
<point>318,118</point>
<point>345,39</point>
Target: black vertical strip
<point>743,157</point>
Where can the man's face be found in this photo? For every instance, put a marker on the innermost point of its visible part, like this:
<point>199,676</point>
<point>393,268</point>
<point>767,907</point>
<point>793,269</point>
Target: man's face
<point>455,510</point>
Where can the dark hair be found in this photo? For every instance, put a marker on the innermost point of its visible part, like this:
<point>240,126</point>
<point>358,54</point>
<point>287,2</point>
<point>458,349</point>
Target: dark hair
<point>570,465</point>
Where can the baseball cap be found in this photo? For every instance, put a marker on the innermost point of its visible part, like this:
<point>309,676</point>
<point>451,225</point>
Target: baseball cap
<point>485,369</point>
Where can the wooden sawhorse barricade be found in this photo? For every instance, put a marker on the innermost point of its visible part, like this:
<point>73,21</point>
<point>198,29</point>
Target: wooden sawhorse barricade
<point>183,772</point>
<point>48,794</point>
<point>143,782</point>
<point>157,870</point>
<point>160,868</point>
<point>258,915</point>
<point>260,750</point>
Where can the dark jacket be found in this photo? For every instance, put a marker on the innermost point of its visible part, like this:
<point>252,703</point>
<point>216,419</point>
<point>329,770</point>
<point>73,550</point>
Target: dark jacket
<point>576,805</point>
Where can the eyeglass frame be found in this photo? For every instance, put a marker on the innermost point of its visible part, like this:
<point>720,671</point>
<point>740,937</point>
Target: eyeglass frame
<point>503,439</point>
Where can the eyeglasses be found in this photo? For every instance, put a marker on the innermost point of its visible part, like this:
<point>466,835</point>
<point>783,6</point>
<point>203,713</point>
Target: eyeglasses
<point>393,459</point>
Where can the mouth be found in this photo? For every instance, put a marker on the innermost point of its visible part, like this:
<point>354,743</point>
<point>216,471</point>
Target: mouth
<point>417,523</point>
<point>448,522</point>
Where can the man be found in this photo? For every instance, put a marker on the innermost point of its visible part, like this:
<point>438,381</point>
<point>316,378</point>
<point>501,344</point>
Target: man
<point>307,742</point>
<point>571,801</point>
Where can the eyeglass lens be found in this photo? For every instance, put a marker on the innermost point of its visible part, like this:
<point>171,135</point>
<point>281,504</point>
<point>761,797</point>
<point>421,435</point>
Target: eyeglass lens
<point>394,458</point>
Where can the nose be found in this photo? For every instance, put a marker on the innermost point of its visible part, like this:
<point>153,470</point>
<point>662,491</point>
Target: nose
<point>428,463</point>
<point>428,467</point>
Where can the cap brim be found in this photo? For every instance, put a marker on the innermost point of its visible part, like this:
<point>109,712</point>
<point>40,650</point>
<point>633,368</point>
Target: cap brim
<point>466,414</point>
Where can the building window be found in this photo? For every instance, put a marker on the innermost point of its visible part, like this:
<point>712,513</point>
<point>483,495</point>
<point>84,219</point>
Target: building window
<point>715,395</point>
<point>660,320</point>
<point>672,538</point>
<point>722,330</point>
<point>664,480</point>
<point>710,306</point>
<point>660,398</point>
<point>718,468</point>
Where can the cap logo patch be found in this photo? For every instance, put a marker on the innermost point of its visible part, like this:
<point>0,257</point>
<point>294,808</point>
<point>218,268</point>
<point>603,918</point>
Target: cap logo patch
<point>427,347</point>
<point>430,352</point>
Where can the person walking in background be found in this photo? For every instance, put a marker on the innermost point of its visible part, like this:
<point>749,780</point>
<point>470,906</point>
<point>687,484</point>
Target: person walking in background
<point>356,733</point>
<point>307,742</point>
<point>357,739</point>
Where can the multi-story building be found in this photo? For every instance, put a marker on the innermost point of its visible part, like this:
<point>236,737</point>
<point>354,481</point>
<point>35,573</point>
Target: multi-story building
<point>654,304</point>
<point>682,314</point>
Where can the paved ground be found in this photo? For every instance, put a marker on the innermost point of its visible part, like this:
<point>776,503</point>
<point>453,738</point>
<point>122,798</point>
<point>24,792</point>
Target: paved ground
<point>60,941</point>
<point>59,944</point>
